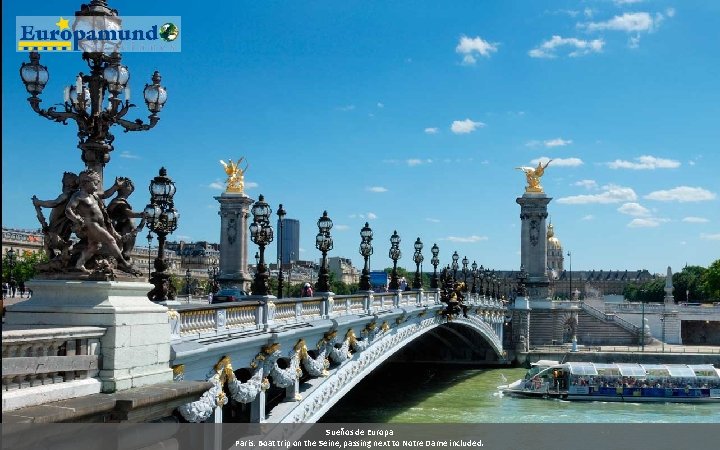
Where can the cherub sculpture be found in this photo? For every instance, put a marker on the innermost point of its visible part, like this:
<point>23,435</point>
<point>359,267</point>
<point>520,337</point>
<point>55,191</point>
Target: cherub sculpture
<point>57,232</point>
<point>533,176</point>
<point>236,176</point>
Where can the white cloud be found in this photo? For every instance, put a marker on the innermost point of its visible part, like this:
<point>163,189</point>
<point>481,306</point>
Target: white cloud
<point>710,237</point>
<point>588,12</point>
<point>692,219</point>
<point>670,12</point>
<point>558,162</point>
<point>634,209</point>
<point>558,142</point>
<point>431,130</point>
<point>646,222</point>
<point>341,227</point>
<point>380,105</point>
<point>628,22</point>
<point>465,126</point>
<point>416,162</point>
<point>588,217</point>
<point>346,108</point>
<point>682,194</point>
<point>626,2</point>
<point>128,155</point>
<point>533,143</point>
<point>429,219</point>
<point>251,184</point>
<point>581,47</point>
<point>465,239</point>
<point>371,216</point>
<point>611,194</point>
<point>587,184</point>
<point>219,185</point>
<point>472,47</point>
<point>634,41</point>
<point>645,162</point>
<point>376,189</point>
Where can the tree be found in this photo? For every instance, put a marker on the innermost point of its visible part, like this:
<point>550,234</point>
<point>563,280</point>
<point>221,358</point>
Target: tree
<point>25,267</point>
<point>710,281</point>
<point>687,284</point>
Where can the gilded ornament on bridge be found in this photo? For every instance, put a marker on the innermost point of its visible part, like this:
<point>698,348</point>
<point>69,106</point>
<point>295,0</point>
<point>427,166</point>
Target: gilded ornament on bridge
<point>235,182</point>
<point>533,175</point>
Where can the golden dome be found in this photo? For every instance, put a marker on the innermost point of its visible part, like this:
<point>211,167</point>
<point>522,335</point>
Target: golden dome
<point>553,242</point>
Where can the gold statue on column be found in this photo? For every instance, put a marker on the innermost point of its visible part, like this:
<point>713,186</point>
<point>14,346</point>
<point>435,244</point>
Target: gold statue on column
<point>235,182</point>
<point>533,176</point>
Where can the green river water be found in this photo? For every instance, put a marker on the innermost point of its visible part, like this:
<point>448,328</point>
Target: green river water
<point>442,394</point>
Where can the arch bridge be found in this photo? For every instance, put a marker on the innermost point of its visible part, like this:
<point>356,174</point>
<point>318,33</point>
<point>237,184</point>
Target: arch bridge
<point>291,360</point>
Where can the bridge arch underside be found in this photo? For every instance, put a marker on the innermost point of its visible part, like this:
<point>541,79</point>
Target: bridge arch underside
<point>451,343</point>
<point>464,342</point>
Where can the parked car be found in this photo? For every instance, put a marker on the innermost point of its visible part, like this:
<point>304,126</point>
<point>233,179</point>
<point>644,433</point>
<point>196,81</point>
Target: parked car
<point>226,295</point>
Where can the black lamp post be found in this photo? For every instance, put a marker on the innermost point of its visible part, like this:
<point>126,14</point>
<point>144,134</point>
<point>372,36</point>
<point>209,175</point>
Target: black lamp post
<point>394,254</point>
<point>281,218</point>
<point>455,258</point>
<point>435,261</point>
<point>465,263</point>
<point>162,219</point>
<point>481,280</point>
<point>149,239</point>
<point>522,277</point>
<point>474,277</point>
<point>261,233</point>
<point>570,257</point>
<point>366,250</point>
<point>11,260</point>
<point>188,274</point>
<point>213,271</point>
<point>418,258</point>
<point>324,243</point>
<point>85,101</point>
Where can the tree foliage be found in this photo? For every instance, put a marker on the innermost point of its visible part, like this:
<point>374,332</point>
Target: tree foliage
<point>25,267</point>
<point>688,284</point>
<point>710,281</point>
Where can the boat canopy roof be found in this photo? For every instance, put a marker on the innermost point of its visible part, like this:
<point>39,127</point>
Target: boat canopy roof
<point>643,370</point>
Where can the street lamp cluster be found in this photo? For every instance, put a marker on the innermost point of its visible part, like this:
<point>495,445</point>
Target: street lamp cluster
<point>261,233</point>
<point>162,218</point>
<point>394,254</point>
<point>324,243</point>
<point>366,249</point>
<point>418,258</point>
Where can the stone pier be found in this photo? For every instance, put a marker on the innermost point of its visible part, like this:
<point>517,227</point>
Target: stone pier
<point>533,243</point>
<point>234,212</point>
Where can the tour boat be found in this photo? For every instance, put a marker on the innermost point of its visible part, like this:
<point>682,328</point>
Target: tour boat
<point>619,382</point>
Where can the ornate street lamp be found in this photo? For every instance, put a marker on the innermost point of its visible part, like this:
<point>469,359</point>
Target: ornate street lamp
<point>213,271</point>
<point>418,258</point>
<point>366,250</point>
<point>486,277</point>
<point>261,233</point>
<point>522,277</point>
<point>162,218</point>
<point>434,261</point>
<point>465,263</point>
<point>11,260</point>
<point>93,101</point>
<point>188,274</point>
<point>281,218</point>
<point>455,266</point>
<point>474,277</point>
<point>324,243</point>
<point>149,239</point>
<point>394,254</point>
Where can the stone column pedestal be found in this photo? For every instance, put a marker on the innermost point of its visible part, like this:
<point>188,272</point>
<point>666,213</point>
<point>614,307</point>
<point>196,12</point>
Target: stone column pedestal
<point>136,346</point>
<point>533,243</point>
<point>234,213</point>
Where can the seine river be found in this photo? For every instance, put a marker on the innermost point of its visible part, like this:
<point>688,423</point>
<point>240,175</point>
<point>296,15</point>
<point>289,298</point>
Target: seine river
<point>450,395</point>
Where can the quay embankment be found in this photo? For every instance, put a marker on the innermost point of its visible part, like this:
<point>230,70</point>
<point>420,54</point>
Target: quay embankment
<point>650,354</point>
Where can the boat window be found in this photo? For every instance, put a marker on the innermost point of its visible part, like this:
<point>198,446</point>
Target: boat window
<point>580,368</point>
<point>631,370</point>
<point>704,370</point>
<point>681,371</point>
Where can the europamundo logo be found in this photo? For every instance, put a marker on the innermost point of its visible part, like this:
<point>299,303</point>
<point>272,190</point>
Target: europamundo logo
<point>98,34</point>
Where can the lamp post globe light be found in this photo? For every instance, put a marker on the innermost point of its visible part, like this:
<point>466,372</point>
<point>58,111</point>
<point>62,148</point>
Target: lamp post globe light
<point>281,216</point>
<point>324,243</point>
<point>394,255</point>
<point>487,282</point>
<point>465,263</point>
<point>418,258</point>
<point>481,280</point>
<point>162,218</point>
<point>94,101</point>
<point>261,233</point>
<point>366,250</point>
<point>188,274</point>
<point>455,258</point>
<point>434,261</point>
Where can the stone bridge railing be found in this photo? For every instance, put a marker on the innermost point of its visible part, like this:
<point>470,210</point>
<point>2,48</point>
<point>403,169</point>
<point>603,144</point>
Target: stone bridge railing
<point>192,320</point>
<point>52,364</point>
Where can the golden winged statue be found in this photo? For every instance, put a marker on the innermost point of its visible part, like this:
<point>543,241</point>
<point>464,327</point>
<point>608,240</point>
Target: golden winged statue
<point>236,176</point>
<point>533,175</point>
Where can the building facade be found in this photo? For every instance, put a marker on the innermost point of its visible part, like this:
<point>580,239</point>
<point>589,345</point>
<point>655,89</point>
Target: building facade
<point>343,270</point>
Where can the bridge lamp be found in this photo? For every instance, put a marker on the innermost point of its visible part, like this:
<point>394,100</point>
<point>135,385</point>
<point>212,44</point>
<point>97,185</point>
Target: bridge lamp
<point>394,254</point>
<point>324,243</point>
<point>188,274</point>
<point>366,250</point>
<point>281,216</point>
<point>481,279</point>
<point>521,279</point>
<point>418,258</point>
<point>455,258</point>
<point>434,261</point>
<point>261,233</point>
<point>474,277</point>
<point>162,218</point>
<point>465,263</point>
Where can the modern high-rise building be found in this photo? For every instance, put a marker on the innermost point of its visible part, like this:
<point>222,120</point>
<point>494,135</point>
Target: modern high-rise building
<point>290,240</point>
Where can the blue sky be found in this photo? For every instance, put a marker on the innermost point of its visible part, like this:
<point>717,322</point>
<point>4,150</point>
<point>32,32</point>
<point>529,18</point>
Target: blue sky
<point>413,115</point>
